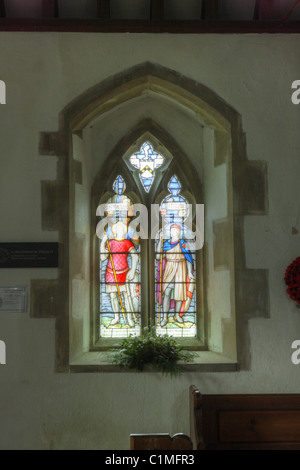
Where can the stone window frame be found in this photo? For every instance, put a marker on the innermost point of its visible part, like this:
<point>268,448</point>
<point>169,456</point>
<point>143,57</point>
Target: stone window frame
<point>247,193</point>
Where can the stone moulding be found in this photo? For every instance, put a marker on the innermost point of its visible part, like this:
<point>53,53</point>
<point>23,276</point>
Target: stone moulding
<point>51,298</point>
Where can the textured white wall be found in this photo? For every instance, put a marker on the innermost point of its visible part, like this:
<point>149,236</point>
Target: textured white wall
<point>43,73</point>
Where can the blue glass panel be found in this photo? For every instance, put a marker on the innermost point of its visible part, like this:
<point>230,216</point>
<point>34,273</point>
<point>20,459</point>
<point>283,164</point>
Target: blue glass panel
<point>119,185</point>
<point>174,186</point>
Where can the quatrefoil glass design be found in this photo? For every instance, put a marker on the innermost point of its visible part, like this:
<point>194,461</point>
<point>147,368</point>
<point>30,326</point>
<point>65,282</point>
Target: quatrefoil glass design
<point>146,161</point>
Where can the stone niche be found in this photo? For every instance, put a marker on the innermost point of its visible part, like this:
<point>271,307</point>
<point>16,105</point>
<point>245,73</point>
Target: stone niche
<point>100,125</point>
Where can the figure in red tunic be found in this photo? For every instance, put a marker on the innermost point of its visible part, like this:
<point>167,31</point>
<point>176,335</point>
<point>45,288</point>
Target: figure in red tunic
<point>118,273</point>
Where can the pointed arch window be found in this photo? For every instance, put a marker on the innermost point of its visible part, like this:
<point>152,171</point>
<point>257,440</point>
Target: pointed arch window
<point>152,280</point>
<point>202,139</point>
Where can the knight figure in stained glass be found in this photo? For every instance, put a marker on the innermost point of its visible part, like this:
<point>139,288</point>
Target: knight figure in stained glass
<point>119,274</point>
<point>119,269</point>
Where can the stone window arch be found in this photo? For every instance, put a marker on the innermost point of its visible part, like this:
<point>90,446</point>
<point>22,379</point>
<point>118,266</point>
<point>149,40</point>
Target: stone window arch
<point>187,116</point>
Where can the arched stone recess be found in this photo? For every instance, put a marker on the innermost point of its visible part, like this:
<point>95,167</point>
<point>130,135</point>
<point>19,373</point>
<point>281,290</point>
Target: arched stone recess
<point>192,125</point>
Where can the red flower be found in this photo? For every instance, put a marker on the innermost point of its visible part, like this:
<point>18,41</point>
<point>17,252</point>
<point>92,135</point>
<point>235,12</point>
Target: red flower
<point>292,280</point>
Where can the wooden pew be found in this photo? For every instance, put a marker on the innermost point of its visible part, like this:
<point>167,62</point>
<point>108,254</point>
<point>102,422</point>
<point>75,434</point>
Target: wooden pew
<point>233,422</point>
<point>248,422</point>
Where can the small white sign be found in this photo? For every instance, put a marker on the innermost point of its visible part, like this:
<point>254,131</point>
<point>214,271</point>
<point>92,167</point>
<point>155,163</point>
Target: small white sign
<point>2,352</point>
<point>13,299</point>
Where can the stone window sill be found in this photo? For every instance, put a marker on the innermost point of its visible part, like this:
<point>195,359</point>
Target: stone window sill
<point>205,361</point>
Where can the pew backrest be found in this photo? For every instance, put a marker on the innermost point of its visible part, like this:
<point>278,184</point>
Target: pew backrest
<point>243,421</point>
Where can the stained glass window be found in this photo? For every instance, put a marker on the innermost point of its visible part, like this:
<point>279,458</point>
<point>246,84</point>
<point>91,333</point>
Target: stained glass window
<point>175,268</point>
<point>146,160</point>
<point>174,257</point>
<point>119,269</point>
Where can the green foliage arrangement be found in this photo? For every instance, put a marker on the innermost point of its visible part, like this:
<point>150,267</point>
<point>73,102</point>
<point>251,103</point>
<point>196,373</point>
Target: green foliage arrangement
<point>162,353</point>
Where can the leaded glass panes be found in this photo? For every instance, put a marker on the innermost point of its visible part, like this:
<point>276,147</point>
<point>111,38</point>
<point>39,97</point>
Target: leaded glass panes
<point>146,160</point>
<point>119,185</point>
<point>175,268</point>
<point>119,269</point>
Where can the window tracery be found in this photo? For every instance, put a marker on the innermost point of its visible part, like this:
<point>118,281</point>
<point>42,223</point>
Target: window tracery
<point>173,288</point>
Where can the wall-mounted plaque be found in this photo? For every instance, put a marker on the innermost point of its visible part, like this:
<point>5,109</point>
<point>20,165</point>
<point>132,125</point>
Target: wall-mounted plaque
<point>13,299</point>
<point>29,255</point>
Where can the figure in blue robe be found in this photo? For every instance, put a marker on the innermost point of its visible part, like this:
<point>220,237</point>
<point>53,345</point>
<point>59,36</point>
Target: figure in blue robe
<point>175,272</point>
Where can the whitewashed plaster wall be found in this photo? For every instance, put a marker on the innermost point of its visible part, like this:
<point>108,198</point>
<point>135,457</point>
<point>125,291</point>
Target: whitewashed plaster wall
<point>41,409</point>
